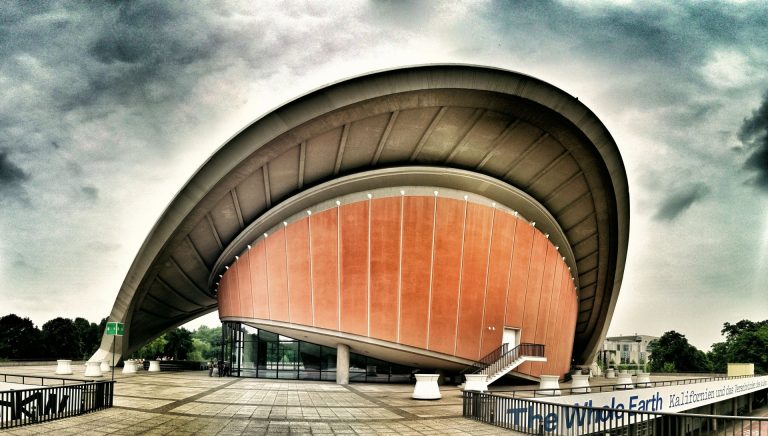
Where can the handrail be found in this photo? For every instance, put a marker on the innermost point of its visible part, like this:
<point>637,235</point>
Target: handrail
<point>42,379</point>
<point>501,357</point>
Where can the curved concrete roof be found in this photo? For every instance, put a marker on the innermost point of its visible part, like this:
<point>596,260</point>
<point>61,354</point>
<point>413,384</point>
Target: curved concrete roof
<point>499,124</point>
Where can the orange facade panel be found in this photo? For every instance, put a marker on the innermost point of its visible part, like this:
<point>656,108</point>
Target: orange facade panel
<point>533,292</point>
<point>498,281</point>
<point>324,239</point>
<point>418,227</point>
<point>277,282</point>
<point>518,281</point>
<point>474,270</point>
<point>446,273</point>
<point>433,273</point>
<point>257,261</point>
<point>353,235</point>
<point>542,318</point>
<point>245,306</point>
<point>385,267</point>
<point>299,280</point>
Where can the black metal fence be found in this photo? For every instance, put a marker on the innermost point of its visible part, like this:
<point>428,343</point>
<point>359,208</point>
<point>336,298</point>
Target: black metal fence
<point>47,403</point>
<point>538,417</point>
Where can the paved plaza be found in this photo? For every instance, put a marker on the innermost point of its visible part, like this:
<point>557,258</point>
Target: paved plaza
<point>189,403</point>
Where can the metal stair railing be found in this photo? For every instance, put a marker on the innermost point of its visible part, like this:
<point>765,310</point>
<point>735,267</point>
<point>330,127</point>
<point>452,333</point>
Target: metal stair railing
<point>507,357</point>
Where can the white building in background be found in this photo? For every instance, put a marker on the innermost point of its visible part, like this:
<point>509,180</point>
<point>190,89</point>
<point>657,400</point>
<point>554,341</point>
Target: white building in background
<point>626,350</point>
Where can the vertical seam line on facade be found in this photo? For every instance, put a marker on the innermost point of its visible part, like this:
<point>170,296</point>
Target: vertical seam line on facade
<point>541,288</point>
<point>431,269</point>
<point>239,291</point>
<point>311,272</point>
<point>247,256</point>
<point>549,306</point>
<point>368,278</point>
<point>527,277</point>
<point>287,274</point>
<point>400,268</point>
<point>461,278</point>
<point>266,274</point>
<point>338,267</point>
<point>509,277</point>
<point>485,291</point>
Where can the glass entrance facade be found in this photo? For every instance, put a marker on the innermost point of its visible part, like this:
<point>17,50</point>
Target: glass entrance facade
<point>252,352</point>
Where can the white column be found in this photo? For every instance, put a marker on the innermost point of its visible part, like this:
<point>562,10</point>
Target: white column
<point>64,367</point>
<point>105,366</point>
<point>154,366</point>
<point>476,382</point>
<point>426,387</point>
<point>625,379</point>
<point>643,379</point>
<point>580,384</point>
<point>342,364</point>
<point>549,385</point>
<point>92,369</point>
<point>129,367</point>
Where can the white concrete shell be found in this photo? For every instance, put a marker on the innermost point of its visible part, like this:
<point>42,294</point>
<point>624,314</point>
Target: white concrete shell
<point>496,124</point>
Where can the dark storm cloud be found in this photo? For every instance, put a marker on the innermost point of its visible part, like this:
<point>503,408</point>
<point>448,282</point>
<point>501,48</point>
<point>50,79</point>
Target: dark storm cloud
<point>11,177</point>
<point>678,202</point>
<point>754,135</point>
<point>90,193</point>
<point>664,43</point>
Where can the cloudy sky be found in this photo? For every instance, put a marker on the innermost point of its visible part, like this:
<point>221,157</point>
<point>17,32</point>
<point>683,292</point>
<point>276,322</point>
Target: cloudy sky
<point>106,109</point>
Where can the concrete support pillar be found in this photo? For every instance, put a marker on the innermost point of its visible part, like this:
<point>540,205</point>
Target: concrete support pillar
<point>713,411</point>
<point>92,369</point>
<point>64,367</point>
<point>549,385</point>
<point>750,398</point>
<point>342,364</point>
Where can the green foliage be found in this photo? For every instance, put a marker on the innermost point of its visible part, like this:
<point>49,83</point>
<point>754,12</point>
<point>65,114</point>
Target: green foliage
<point>179,343</point>
<point>201,351</point>
<point>19,338</point>
<point>746,342</point>
<point>87,336</point>
<point>153,349</point>
<point>672,351</point>
<point>60,339</point>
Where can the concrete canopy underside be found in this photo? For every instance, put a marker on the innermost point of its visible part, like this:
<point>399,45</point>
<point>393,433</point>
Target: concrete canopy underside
<point>498,124</point>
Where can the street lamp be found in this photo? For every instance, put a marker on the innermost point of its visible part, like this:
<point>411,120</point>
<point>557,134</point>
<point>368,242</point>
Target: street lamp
<point>638,339</point>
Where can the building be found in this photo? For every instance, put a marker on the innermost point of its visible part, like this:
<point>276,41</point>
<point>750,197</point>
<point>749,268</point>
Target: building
<point>424,216</point>
<point>626,350</point>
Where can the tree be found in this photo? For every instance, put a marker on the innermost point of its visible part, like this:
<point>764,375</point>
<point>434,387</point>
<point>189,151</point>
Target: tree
<point>746,342</point>
<point>60,339</point>
<point>153,349</point>
<point>673,348</point>
<point>179,343</point>
<point>19,338</point>
<point>87,334</point>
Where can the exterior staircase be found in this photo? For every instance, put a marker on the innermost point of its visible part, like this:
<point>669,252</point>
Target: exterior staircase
<point>503,360</point>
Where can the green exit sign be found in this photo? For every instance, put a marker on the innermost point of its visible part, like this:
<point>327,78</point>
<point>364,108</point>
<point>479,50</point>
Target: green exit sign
<point>115,328</point>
